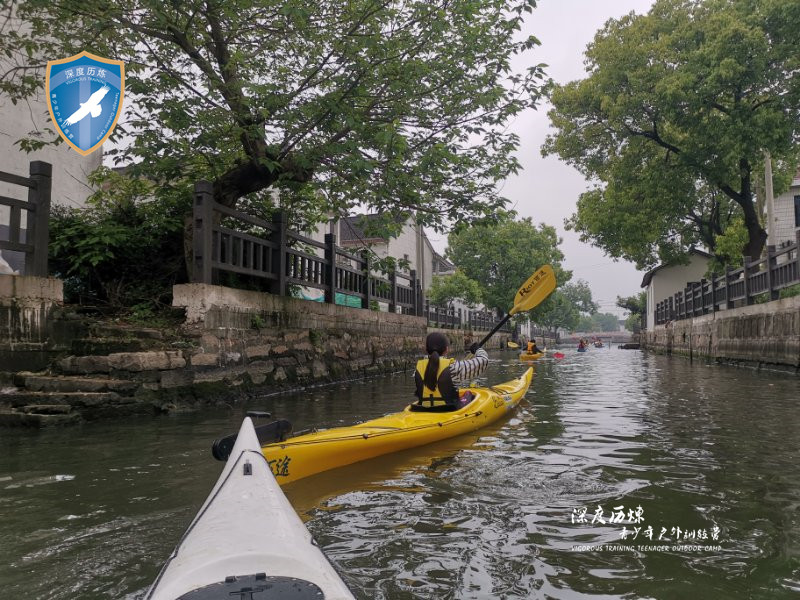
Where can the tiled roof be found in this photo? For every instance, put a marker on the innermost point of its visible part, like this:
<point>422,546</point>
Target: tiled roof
<point>352,228</point>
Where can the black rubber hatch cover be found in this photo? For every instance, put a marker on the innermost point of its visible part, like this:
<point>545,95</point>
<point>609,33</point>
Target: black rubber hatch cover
<point>257,587</point>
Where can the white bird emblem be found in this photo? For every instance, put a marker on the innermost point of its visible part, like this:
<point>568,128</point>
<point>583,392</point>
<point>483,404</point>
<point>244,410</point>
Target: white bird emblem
<point>91,106</point>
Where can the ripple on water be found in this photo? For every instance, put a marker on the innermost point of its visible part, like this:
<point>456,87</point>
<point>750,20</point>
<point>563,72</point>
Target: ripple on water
<point>487,516</point>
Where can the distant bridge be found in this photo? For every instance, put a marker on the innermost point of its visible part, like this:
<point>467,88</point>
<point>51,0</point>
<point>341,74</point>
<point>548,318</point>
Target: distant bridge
<point>616,337</point>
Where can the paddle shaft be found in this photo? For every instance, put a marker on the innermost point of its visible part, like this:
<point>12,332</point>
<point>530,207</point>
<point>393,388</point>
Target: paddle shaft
<point>495,330</point>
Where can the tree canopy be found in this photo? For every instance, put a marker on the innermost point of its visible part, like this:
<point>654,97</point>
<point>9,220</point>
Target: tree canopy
<point>579,293</point>
<point>557,312</point>
<point>673,120</point>
<point>399,106</point>
<point>503,253</point>
<point>570,305</point>
<point>446,288</point>
<point>597,322</point>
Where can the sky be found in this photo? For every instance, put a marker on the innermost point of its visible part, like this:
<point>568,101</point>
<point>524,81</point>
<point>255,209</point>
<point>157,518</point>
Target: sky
<point>547,189</point>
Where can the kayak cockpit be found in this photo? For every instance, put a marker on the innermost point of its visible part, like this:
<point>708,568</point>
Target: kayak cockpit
<point>258,586</point>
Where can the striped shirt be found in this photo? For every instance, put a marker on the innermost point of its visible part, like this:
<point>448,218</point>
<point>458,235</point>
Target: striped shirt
<point>464,371</point>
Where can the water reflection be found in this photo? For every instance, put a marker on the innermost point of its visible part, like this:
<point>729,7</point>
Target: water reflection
<point>92,512</point>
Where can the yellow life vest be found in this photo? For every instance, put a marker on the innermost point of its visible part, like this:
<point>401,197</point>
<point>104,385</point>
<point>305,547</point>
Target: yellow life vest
<point>433,397</point>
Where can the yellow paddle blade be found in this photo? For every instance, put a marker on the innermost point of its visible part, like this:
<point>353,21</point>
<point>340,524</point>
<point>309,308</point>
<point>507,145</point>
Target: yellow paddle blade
<point>534,291</point>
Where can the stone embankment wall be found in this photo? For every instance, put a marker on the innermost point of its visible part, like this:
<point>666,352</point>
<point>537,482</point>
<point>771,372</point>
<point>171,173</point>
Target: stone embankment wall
<point>233,343</point>
<point>759,335</point>
<point>28,324</point>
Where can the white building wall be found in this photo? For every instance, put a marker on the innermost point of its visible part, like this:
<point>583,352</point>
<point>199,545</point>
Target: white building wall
<point>20,120</point>
<point>669,280</point>
<point>785,225</point>
<point>70,169</point>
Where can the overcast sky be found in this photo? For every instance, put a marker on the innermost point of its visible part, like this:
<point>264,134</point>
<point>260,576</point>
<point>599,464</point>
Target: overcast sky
<point>547,189</point>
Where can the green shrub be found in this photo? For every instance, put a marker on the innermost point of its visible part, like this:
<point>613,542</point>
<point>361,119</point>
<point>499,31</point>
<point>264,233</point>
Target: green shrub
<point>125,250</point>
<point>791,291</point>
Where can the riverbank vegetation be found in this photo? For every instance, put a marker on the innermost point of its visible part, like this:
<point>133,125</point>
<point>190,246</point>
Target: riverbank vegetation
<point>316,108</point>
<point>678,111</point>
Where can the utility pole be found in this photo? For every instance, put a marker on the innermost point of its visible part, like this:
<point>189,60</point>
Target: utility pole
<point>770,199</point>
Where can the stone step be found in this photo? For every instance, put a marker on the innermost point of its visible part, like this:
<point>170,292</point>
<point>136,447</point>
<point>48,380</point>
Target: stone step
<point>37,382</point>
<point>109,345</point>
<point>122,361</point>
<point>22,398</point>
<point>106,330</point>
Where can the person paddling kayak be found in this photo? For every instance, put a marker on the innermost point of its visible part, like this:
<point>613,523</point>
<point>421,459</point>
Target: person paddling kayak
<point>532,347</point>
<point>438,378</point>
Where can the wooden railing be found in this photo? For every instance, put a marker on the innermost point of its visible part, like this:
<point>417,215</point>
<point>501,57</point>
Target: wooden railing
<point>37,206</point>
<point>765,277</point>
<point>226,240</point>
<point>455,318</point>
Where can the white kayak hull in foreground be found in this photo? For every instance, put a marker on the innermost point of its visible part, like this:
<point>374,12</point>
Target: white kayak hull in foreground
<point>248,534</point>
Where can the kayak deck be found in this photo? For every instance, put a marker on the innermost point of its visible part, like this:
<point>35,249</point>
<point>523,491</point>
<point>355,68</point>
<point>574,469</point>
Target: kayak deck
<point>247,537</point>
<point>319,451</point>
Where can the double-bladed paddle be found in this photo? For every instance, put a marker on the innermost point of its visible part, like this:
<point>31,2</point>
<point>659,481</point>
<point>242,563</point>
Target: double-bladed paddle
<point>532,293</point>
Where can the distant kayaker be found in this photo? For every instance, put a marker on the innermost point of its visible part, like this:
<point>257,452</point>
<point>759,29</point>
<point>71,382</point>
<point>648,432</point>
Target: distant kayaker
<point>438,378</point>
<point>532,347</point>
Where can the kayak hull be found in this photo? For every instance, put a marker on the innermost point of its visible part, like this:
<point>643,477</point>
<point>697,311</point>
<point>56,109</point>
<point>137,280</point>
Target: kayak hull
<point>320,451</point>
<point>247,530</point>
<point>581,349</point>
<point>536,356</point>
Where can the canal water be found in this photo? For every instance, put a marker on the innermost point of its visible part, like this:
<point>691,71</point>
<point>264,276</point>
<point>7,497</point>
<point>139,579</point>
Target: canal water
<point>555,502</point>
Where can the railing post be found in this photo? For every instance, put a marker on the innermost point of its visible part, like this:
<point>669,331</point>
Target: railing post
<point>460,322</point>
<point>746,272</point>
<point>417,300</point>
<point>42,175</point>
<point>280,239</point>
<point>797,255</point>
<point>393,283</point>
<point>330,268</point>
<point>728,299</point>
<point>773,293</point>
<point>367,291</point>
<point>703,282</point>
<point>713,293</point>
<point>202,235</point>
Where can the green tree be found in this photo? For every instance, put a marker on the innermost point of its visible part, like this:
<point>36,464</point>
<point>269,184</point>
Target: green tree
<point>585,323</point>
<point>597,322</point>
<point>120,250</point>
<point>673,121</point>
<point>729,246</point>
<point>636,306</point>
<point>457,286</point>
<point>401,106</point>
<point>580,295</point>
<point>558,312</point>
<point>605,322</point>
<point>503,253</point>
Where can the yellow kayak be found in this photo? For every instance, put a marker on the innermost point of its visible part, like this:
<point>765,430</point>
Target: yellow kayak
<point>526,356</point>
<point>512,344</point>
<point>311,453</point>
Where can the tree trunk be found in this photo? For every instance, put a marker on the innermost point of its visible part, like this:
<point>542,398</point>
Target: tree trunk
<point>757,237</point>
